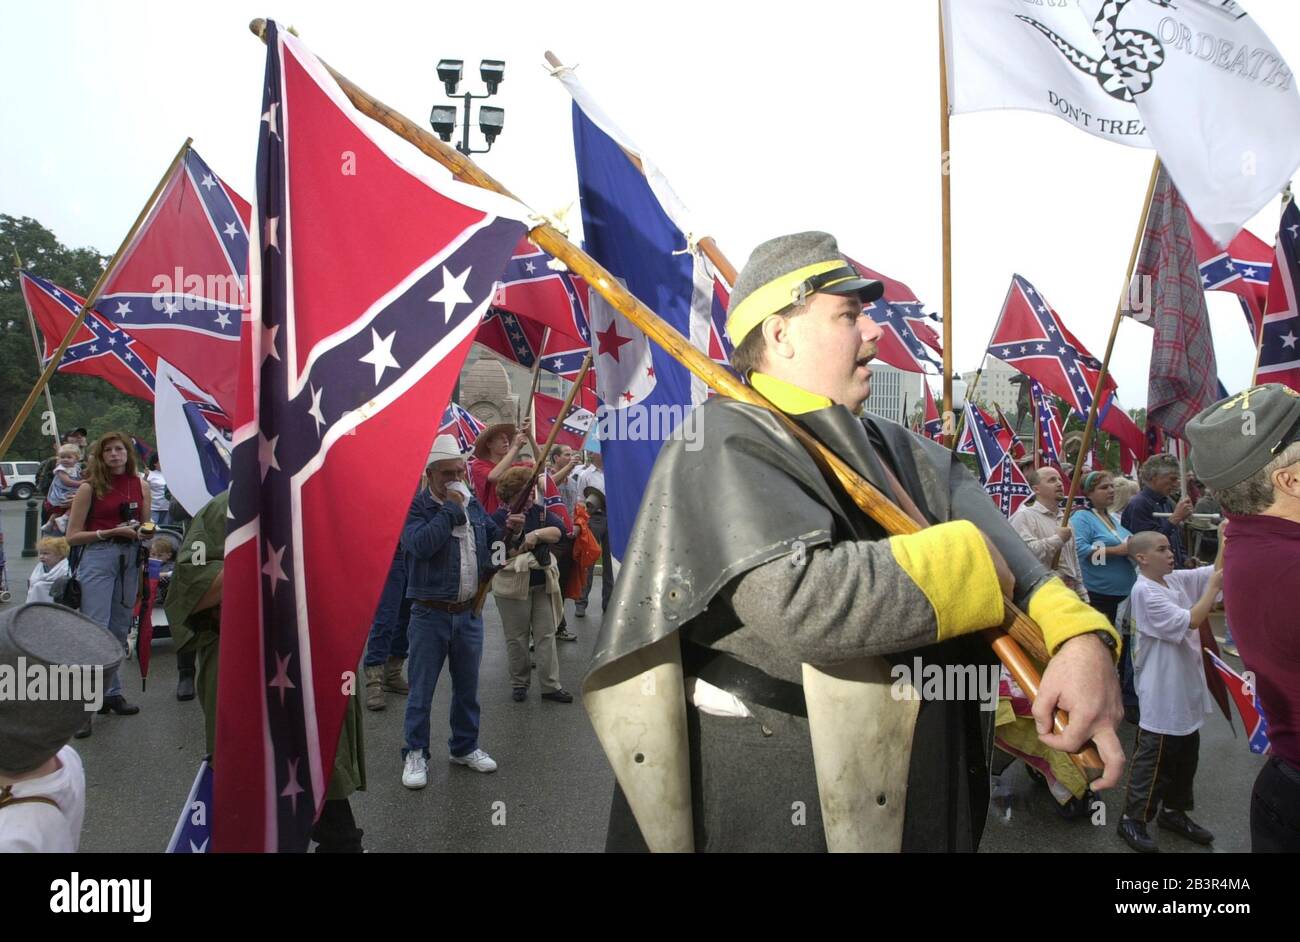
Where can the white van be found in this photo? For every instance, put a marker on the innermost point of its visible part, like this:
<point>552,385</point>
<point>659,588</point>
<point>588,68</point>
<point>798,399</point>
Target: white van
<point>18,479</point>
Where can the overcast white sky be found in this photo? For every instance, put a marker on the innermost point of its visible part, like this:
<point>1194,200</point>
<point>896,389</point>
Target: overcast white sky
<point>766,117</point>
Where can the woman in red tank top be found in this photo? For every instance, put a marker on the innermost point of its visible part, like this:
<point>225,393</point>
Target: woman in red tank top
<point>105,521</point>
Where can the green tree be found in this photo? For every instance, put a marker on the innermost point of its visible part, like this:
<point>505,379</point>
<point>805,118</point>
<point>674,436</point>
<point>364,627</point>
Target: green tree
<point>78,400</point>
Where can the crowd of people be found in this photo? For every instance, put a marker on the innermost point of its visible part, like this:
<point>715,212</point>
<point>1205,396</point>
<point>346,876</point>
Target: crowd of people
<point>1134,567</point>
<point>1121,590</point>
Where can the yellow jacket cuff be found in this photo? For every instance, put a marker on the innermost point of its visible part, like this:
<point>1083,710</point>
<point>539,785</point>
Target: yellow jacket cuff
<point>951,565</point>
<point>1062,615</point>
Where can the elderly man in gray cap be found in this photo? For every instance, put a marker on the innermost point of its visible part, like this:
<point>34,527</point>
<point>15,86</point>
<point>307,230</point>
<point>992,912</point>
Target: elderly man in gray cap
<point>61,660</point>
<point>1247,450</point>
<point>742,679</point>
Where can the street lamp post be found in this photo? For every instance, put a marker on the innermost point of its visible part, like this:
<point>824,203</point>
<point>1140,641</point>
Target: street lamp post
<point>491,120</point>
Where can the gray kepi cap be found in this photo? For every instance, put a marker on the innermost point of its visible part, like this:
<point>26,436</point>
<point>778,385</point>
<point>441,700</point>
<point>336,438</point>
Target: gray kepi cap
<point>787,270</point>
<point>42,646</point>
<point>1237,436</point>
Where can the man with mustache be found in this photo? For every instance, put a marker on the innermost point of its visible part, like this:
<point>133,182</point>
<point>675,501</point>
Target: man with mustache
<point>754,565</point>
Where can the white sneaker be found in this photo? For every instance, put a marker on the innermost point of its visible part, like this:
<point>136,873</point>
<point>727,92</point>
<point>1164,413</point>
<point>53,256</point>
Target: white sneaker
<point>478,760</point>
<point>415,770</point>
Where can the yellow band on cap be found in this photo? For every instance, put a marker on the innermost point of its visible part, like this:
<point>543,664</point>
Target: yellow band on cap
<point>776,295</point>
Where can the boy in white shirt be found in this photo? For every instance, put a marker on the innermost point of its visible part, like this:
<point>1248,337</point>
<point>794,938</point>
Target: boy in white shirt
<point>1167,608</point>
<point>42,783</point>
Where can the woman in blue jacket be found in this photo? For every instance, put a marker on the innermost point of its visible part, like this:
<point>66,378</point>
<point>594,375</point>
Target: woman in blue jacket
<point>1108,573</point>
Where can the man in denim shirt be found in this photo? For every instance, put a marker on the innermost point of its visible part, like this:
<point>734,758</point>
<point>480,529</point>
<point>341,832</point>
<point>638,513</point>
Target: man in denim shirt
<point>448,540</point>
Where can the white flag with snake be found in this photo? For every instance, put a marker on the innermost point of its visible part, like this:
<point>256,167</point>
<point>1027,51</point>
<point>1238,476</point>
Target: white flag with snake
<point>1041,55</point>
<point>1219,102</point>
<point>1196,79</point>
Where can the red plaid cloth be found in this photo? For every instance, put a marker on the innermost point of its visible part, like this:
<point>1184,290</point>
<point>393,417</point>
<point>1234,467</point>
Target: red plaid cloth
<point>1184,376</point>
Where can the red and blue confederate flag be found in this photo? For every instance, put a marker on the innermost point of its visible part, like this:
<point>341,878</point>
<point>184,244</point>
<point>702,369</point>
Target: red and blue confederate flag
<point>1279,356</point>
<point>905,328</point>
<point>518,339</point>
<point>462,424</point>
<point>1032,337</point>
<point>533,287</point>
<point>365,291</point>
<point>1050,438</point>
<point>1252,714</point>
<point>180,285</point>
<point>933,427</point>
<point>999,474</point>
<point>998,429</point>
<point>1243,268</point>
<point>99,348</point>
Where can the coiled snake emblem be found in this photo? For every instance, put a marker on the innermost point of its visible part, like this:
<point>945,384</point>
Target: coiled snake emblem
<point>1131,58</point>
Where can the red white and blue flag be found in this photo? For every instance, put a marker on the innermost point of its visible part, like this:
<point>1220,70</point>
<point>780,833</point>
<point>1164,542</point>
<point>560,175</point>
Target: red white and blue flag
<point>907,338</point>
<point>995,427</point>
<point>99,348</point>
<point>1000,475</point>
<point>461,424</point>
<point>534,287</point>
<point>1279,355</point>
<point>933,427</point>
<point>365,291</point>
<point>1243,268</point>
<point>635,226</point>
<point>1051,440</point>
<point>1031,336</point>
<point>180,284</point>
<point>517,339</point>
<point>1247,700</point>
<point>577,421</point>
<point>554,502</point>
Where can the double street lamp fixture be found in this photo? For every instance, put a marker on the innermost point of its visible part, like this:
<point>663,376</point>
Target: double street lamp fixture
<point>491,120</point>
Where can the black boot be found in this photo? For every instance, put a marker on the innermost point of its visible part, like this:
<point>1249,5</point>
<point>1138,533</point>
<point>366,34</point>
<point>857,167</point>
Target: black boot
<point>85,731</point>
<point>119,706</point>
<point>185,675</point>
<point>336,831</point>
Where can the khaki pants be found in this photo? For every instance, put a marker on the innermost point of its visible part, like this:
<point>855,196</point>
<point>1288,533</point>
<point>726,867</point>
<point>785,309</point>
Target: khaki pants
<point>518,617</point>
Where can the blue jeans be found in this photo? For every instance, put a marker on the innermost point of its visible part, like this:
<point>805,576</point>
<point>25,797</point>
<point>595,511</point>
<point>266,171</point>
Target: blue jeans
<point>388,631</point>
<point>110,579</point>
<point>437,636</point>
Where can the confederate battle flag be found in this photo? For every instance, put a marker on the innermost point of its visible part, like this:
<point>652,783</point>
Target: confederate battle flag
<point>367,282</point>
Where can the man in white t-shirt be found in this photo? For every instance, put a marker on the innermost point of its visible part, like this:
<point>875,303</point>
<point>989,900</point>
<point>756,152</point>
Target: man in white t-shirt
<point>1167,608</point>
<point>42,783</point>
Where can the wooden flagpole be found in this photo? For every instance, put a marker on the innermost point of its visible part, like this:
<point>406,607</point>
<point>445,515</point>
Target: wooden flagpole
<point>949,416</point>
<point>527,410</point>
<point>36,345</point>
<point>540,467</point>
<point>1090,425</point>
<point>26,408</point>
<point>1010,642</point>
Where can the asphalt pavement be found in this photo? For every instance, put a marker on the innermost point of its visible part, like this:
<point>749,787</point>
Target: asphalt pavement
<point>554,786</point>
